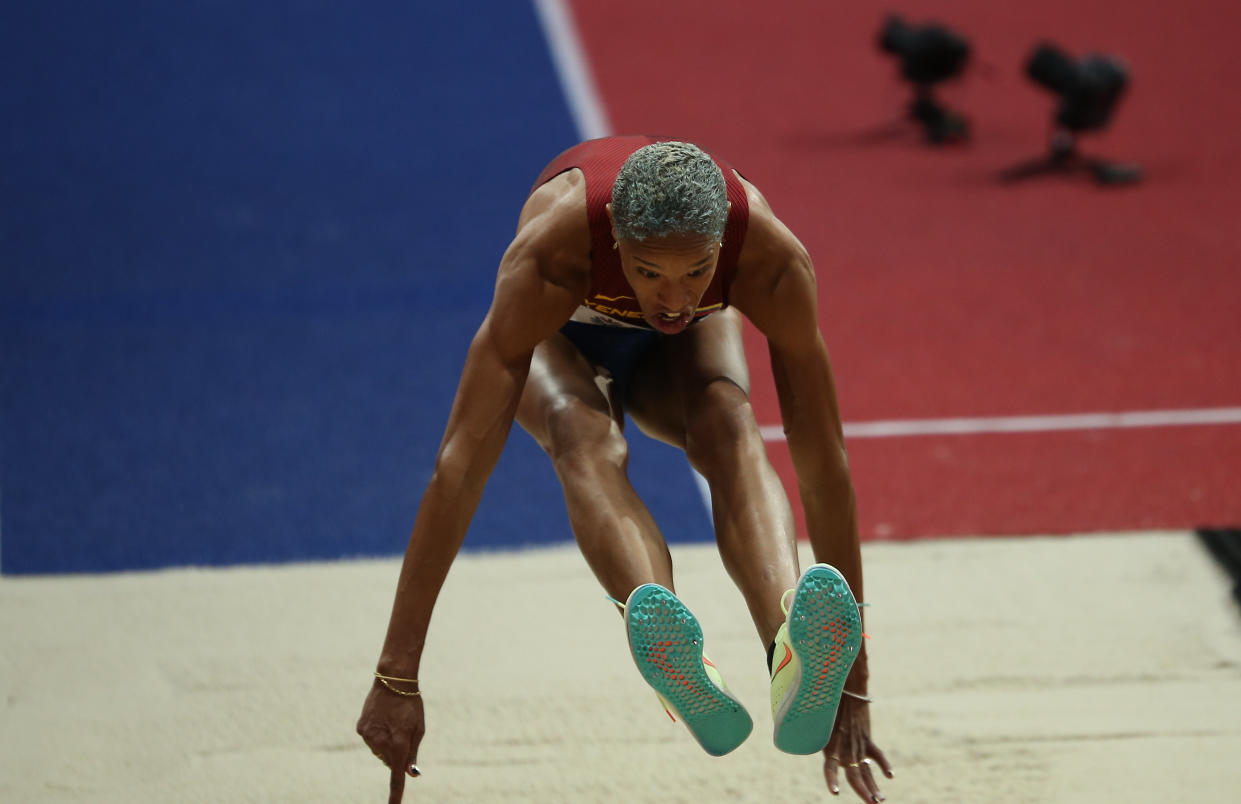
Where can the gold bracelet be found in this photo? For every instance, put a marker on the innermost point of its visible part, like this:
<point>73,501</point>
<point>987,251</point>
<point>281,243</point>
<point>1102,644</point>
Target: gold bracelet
<point>385,679</point>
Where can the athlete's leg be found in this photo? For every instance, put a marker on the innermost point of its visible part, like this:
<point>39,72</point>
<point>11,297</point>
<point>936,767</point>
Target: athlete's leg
<point>692,391</point>
<point>567,411</point>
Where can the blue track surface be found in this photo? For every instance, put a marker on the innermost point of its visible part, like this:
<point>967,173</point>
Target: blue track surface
<point>242,250</point>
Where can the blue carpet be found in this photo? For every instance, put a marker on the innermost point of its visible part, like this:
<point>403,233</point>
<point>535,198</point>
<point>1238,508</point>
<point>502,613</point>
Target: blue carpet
<point>243,248</point>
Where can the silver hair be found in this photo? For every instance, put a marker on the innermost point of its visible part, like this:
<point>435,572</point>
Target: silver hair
<point>669,188</point>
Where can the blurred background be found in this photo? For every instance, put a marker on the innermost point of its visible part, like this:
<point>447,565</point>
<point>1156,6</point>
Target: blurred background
<point>244,246</point>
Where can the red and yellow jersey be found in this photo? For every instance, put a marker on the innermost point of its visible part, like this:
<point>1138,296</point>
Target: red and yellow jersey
<point>611,301</point>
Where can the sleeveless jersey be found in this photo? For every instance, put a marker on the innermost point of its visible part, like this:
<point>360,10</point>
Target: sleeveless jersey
<point>611,300</point>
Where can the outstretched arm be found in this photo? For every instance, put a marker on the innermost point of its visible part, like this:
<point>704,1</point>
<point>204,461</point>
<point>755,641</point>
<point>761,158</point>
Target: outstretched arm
<point>540,281</point>
<point>776,289</point>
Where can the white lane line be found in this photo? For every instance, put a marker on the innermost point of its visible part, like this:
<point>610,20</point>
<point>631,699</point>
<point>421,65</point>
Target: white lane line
<point>573,68</point>
<point>1029,424</point>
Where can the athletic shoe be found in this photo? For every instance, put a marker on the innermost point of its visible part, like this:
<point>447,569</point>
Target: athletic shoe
<point>666,642</point>
<point>815,648</point>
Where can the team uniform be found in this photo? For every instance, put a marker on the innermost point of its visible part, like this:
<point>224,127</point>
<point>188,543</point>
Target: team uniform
<point>608,327</point>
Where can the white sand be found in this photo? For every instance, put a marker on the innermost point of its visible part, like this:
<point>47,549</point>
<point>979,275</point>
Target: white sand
<point>1091,669</point>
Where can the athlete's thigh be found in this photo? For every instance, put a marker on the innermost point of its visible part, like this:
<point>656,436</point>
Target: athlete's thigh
<point>673,376</point>
<point>560,380</point>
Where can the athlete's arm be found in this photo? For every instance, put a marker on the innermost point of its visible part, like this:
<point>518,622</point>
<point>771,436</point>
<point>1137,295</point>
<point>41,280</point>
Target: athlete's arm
<point>540,281</point>
<point>775,288</point>
<point>543,275</point>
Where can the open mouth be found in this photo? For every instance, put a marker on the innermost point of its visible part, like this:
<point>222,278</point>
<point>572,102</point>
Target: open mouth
<point>671,323</point>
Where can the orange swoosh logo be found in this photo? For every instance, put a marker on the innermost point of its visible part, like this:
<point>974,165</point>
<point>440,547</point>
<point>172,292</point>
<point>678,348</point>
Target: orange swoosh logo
<point>788,657</point>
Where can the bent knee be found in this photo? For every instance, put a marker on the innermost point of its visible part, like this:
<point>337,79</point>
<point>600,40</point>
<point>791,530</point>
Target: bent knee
<point>578,436</point>
<point>720,424</point>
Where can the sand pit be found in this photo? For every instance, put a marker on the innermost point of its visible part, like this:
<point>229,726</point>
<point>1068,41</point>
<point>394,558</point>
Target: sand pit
<point>1092,668</point>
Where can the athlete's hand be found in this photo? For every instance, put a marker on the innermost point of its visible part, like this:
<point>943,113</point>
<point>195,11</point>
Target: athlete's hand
<point>392,726</point>
<point>851,748</point>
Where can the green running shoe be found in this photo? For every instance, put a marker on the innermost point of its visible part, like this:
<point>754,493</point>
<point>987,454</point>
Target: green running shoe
<point>815,649</point>
<point>666,642</point>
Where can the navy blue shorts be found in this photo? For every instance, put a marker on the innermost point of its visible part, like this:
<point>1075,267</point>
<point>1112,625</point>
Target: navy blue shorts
<point>617,349</point>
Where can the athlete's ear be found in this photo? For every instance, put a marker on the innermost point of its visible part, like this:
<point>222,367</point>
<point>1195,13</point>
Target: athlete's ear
<point>611,220</point>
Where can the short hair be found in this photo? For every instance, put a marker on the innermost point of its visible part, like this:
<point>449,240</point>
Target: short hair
<point>669,188</point>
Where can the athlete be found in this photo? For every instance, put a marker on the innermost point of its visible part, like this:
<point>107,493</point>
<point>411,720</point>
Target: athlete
<point>622,293</point>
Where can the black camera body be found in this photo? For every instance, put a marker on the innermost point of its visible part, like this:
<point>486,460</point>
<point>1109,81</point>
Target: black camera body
<point>929,53</point>
<point>1089,89</point>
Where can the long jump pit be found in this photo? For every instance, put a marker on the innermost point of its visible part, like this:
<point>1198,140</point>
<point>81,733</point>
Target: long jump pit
<point>1087,668</point>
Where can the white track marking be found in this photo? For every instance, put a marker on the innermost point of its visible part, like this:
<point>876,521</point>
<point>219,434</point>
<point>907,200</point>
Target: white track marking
<point>896,428</point>
<point>576,78</point>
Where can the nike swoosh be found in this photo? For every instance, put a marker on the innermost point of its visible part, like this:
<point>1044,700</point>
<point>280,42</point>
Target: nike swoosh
<point>788,657</point>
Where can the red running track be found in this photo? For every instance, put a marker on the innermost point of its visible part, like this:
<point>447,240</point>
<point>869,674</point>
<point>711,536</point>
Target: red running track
<point>945,293</point>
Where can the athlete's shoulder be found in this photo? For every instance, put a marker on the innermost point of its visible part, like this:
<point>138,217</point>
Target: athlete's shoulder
<point>775,284</point>
<point>560,198</point>
<point>553,232</point>
<point>769,243</point>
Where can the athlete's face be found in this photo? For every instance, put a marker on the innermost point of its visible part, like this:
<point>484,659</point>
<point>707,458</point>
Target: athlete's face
<point>668,276</point>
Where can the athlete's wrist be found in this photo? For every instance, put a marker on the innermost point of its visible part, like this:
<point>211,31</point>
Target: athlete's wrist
<point>399,663</point>
<point>859,676</point>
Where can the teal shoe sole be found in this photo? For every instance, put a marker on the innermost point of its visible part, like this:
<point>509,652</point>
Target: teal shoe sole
<point>666,642</point>
<point>826,633</point>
